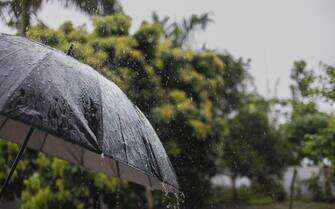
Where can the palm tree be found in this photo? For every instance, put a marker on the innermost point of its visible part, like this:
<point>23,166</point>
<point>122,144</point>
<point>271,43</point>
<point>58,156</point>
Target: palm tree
<point>181,33</point>
<point>95,7</point>
<point>19,13</point>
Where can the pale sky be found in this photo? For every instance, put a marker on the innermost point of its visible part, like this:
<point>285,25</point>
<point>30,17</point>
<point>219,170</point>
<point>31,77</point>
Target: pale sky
<point>271,33</point>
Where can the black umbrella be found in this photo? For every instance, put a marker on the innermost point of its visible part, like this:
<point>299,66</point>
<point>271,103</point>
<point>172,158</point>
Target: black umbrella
<point>54,104</point>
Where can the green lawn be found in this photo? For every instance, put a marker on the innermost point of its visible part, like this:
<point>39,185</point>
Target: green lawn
<point>296,205</point>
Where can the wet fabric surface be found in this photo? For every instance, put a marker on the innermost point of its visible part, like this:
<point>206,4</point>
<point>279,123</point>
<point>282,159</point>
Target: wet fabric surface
<point>46,89</point>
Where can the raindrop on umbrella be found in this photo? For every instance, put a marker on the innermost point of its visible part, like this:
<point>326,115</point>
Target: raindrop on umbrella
<point>54,104</point>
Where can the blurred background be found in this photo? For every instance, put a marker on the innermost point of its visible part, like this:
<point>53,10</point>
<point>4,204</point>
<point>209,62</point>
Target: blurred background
<point>240,93</point>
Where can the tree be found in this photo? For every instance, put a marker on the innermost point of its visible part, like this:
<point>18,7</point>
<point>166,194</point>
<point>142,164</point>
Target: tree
<point>327,80</point>
<point>321,147</point>
<point>181,33</point>
<point>307,126</point>
<point>303,81</point>
<point>306,120</point>
<point>19,13</point>
<point>186,94</point>
<point>252,147</point>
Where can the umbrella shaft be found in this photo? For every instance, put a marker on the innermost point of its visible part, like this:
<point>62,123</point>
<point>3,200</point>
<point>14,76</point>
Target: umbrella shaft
<point>16,161</point>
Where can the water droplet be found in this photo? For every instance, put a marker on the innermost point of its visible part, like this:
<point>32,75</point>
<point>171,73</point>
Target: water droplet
<point>177,200</point>
<point>166,193</point>
<point>118,196</point>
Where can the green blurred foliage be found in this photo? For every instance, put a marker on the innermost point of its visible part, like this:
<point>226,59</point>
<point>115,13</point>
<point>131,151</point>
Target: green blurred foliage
<point>247,196</point>
<point>186,94</point>
<point>20,13</point>
<point>309,131</point>
<point>252,147</point>
<point>313,185</point>
<point>180,34</point>
<point>197,102</point>
<point>25,168</point>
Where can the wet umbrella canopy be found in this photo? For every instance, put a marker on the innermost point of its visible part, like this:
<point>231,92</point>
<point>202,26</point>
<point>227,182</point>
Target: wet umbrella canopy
<point>54,104</point>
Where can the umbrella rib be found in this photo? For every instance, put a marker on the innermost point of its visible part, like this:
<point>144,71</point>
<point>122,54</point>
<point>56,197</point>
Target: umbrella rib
<point>75,157</point>
<point>118,169</point>
<point>32,70</point>
<point>82,156</point>
<point>101,108</point>
<point>152,158</point>
<point>3,123</point>
<point>150,183</point>
<point>124,140</point>
<point>13,52</point>
<point>44,139</point>
<point>16,161</point>
<point>149,149</point>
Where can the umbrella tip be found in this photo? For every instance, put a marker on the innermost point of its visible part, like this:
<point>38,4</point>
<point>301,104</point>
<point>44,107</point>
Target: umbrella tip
<point>69,51</point>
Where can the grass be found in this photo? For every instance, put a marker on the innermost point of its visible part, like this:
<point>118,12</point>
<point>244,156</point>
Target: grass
<point>296,205</point>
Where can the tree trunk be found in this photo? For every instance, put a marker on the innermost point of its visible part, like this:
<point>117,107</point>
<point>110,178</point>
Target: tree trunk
<point>292,188</point>
<point>327,182</point>
<point>148,195</point>
<point>234,189</point>
<point>96,199</point>
<point>24,18</point>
